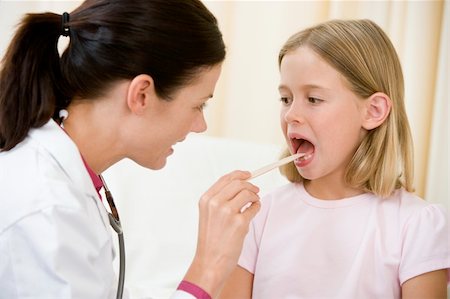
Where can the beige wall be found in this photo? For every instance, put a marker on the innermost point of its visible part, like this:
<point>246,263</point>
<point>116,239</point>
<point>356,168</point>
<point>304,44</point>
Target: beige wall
<point>246,104</point>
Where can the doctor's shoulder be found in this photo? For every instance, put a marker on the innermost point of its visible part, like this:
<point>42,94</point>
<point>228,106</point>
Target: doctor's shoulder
<point>30,181</point>
<point>48,223</point>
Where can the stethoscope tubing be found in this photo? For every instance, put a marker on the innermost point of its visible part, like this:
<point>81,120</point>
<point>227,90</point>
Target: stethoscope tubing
<point>118,228</point>
<point>114,220</point>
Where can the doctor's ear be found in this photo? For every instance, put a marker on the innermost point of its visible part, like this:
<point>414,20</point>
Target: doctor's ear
<point>140,93</point>
<point>378,107</point>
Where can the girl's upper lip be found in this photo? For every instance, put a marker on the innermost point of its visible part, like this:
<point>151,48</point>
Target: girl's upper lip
<point>294,137</point>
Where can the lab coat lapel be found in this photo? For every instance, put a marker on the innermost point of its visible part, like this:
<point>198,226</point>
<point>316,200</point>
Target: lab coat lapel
<point>67,155</point>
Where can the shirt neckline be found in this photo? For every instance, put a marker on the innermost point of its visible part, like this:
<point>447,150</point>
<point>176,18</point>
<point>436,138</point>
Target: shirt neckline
<point>331,203</point>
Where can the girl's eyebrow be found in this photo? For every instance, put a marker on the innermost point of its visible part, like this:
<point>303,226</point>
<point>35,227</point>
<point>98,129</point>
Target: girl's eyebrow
<point>315,86</point>
<point>282,87</point>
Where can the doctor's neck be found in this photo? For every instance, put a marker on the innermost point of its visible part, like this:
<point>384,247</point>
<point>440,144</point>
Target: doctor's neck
<point>95,128</point>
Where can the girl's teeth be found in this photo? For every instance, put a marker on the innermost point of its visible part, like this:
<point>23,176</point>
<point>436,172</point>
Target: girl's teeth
<point>306,157</point>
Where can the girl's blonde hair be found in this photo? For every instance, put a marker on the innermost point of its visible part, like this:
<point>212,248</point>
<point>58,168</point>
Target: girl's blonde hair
<point>364,55</point>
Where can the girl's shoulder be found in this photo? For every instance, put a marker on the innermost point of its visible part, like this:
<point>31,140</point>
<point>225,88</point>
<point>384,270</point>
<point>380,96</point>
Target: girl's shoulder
<point>409,206</point>
<point>423,233</point>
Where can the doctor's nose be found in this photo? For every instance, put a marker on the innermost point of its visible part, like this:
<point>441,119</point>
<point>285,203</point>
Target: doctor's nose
<point>199,125</point>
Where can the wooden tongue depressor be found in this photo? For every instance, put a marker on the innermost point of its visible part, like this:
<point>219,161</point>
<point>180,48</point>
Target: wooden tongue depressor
<point>268,168</point>
<point>274,165</point>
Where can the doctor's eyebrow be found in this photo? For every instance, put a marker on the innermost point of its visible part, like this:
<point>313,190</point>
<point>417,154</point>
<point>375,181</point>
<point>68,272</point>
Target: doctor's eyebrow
<point>207,97</point>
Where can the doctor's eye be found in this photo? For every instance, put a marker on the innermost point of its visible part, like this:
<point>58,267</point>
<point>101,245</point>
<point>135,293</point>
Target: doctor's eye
<point>202,107</point>
<point>286,100</point>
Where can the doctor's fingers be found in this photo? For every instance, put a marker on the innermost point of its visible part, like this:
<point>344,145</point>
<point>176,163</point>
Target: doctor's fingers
<point>228,192</point>
<point>250,211</point>
<point>242,201</point>
<point>225,180</point>
<point>228,208</point>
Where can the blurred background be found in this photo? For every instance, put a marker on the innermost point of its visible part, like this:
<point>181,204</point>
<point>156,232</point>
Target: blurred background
<point>245,105</point>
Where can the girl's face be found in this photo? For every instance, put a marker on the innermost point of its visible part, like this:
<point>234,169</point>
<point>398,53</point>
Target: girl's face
<point>320,116</point>
<point>169,122</point>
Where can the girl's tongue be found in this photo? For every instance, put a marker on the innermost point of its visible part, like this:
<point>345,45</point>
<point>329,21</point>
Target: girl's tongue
<point>306,147</point>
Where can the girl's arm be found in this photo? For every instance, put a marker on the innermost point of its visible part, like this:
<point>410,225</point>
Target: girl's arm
<point>431,285</point>
<point>238,286</point>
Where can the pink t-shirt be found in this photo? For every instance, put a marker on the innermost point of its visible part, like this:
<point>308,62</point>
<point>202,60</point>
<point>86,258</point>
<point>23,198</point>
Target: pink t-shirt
<point>299,246</point>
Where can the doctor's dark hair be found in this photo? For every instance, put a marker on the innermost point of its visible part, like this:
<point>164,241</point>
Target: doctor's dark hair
<point>110,40</point>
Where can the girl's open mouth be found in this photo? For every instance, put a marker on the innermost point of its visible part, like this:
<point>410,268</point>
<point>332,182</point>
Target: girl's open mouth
<point>300,145</point>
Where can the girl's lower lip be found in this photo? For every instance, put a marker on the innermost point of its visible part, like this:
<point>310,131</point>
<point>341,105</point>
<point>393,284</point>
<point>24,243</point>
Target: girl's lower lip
<point>302,163</point>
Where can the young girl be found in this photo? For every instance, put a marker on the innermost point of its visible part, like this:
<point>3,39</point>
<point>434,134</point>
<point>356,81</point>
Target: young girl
<point>348,225</point>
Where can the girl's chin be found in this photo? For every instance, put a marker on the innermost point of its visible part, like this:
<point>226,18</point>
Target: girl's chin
<point>305,169</point>
<point>306,175</point>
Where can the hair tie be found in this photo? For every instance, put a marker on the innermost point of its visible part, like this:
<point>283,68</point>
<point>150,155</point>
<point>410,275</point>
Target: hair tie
<point>65,30</point>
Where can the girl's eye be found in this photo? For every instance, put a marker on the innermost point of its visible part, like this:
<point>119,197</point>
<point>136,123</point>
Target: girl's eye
<point>313,100</point>
<point>285,100</point>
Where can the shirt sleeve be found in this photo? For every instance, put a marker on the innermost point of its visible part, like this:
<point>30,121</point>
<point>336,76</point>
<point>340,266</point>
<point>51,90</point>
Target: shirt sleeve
<point>250,249</point>
<point>247,260</point>
<point>426,243</point>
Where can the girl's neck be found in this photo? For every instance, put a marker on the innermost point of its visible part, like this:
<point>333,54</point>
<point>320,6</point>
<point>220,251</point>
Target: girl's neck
<point>328,189</point>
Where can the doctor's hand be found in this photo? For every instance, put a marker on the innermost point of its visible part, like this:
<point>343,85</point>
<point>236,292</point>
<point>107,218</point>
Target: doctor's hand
<point>222,229</point>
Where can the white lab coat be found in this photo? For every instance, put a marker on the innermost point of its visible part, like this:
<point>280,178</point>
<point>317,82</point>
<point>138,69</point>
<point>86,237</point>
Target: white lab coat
<point>55,238</point>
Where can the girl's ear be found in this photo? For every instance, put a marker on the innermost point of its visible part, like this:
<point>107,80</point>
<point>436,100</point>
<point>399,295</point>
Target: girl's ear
<point>141,92</point>
<point>378,107</point>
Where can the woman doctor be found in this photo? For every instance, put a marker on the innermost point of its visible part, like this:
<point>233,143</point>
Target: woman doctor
<point>134,80</point>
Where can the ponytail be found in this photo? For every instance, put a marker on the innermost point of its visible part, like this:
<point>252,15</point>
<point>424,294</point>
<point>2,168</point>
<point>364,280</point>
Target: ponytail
<point>30,78</point>
<point>110,40</point>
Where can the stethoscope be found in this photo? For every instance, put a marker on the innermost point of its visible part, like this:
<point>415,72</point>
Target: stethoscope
<point>114,220</point>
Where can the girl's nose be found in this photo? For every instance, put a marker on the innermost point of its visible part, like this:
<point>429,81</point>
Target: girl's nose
<point>293,113</point>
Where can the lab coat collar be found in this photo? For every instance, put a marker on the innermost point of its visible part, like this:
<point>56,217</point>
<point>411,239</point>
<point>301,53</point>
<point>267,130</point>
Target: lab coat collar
<point>65,152</point>
<point>53,138</point>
